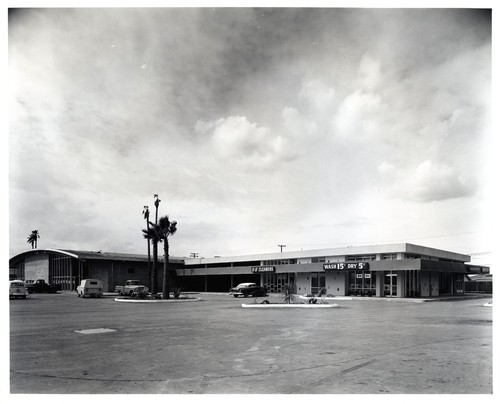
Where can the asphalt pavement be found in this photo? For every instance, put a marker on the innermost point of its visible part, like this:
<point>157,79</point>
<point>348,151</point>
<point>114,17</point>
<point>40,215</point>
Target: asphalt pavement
<point>63,344</point>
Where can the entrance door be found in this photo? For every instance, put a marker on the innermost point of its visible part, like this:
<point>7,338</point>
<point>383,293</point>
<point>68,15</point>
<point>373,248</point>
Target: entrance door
<point>390,284</point>
<point>317,282</point>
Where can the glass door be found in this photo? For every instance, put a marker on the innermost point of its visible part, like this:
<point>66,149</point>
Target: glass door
<point>317,282</point>
<point>390,283</point>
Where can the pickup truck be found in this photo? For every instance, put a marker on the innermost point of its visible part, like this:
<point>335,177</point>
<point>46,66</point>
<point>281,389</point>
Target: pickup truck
<point>40,286</point>
<point>131,286</point>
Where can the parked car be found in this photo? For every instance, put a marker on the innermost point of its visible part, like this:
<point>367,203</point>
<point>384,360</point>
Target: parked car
<point>248,289</point>
<point>129,289</point>
<point>89,287</point>
<point>17,289</point>
<point>40,286</point>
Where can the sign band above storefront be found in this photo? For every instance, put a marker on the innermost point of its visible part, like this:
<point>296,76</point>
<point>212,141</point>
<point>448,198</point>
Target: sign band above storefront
<point>264,269</point>
<point>344,266</point>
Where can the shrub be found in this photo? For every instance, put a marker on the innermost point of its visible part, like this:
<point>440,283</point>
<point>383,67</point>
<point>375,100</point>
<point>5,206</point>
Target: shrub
<point>177,292</point>
<point>288,293</point>
<point>140,293</point>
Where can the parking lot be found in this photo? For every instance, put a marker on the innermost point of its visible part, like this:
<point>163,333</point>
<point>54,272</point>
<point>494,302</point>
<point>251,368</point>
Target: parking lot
<point>216,346</point>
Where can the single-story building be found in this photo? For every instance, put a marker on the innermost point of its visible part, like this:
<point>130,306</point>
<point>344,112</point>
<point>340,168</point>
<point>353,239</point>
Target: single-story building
<point>389,270</point>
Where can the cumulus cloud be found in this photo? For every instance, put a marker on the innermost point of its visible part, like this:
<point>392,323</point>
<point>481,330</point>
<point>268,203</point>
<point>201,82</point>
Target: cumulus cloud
<point>358,115</point>
<point>240,141</point>
<point>436,182</point>
<point>427,182</point>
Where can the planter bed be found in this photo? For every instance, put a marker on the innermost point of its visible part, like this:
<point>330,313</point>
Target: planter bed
<point>189,299</point>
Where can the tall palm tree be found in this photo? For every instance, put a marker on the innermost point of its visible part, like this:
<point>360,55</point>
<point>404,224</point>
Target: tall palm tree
<point>145,213</point>
<point>153,234</point>
<point>167,228</point>
<point>33,239</point>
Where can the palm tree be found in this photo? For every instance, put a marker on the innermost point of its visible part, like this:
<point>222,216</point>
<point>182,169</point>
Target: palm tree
<point>167,228</point>
<point>153,234</point>
<point>33,239</point>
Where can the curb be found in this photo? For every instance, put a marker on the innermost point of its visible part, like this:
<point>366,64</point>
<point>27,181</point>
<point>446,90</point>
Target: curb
<point>196,299</point>
<point>289,306</point>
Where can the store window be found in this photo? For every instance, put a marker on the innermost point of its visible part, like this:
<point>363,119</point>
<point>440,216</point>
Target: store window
<point>370,257</point>
<point>274,282</point>
<point>362,283</point>
<point>279,262</point>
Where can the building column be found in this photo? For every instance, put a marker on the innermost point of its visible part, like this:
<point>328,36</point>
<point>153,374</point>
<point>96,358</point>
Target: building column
<point>379,284</point>
<point>401,284</point>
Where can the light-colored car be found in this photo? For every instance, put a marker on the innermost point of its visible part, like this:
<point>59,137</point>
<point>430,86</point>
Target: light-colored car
<point>89,287</point>
<point>17,289</point>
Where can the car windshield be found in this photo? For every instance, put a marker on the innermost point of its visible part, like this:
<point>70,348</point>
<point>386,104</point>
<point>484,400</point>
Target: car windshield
<point>17,284</point>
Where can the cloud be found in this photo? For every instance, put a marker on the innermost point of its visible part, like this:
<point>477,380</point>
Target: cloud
<point>427,182</point>
<point>369,72</point>
<point>437,182</point>
<point>236,139</point>
<point>358,115</point>
<point>255,118</point>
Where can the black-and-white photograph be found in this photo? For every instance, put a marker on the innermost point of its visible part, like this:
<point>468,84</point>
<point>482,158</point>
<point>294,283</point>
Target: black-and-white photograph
<point>250,200</point>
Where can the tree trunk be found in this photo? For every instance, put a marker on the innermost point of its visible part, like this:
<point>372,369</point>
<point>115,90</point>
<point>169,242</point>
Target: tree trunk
<point>166,276</point>
<point>154,274</point>
<point>149,253</point>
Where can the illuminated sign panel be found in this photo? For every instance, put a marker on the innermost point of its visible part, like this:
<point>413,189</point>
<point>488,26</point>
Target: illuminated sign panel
<point>267,268</point>
<point>345,266</point>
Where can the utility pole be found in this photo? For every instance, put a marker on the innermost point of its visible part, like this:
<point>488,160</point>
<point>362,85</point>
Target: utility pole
<point>281,247</point>
<point>194,255</point>
<point>145,213</point>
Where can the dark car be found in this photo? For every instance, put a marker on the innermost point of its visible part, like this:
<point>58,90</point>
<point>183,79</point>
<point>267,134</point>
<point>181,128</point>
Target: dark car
<point>248,289</point>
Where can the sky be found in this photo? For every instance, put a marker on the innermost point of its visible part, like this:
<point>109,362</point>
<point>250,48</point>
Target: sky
<point>311,128</point>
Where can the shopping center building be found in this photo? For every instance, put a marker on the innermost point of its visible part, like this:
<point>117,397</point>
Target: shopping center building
<point>390,270</point>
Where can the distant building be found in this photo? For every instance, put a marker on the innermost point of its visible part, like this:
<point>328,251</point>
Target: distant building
<point>479,283</point>
<point>392,270</point>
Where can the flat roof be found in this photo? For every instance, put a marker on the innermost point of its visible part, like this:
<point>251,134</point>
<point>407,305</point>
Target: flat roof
<point>332,252</point>
<point>327,252</point>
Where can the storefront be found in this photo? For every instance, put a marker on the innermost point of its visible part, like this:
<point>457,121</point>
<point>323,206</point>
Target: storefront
<point>394,270</point>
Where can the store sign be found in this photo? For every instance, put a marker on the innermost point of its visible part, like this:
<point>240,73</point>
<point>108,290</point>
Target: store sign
<point>343,266</point>
<point>264,269</point>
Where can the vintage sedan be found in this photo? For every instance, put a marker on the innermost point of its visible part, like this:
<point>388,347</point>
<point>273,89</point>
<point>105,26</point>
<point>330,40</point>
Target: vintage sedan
<point>17,289</point>
<point>248,289</point>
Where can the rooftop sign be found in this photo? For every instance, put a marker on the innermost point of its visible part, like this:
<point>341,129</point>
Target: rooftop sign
<point>343,266</point>
<point>267,268</point>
